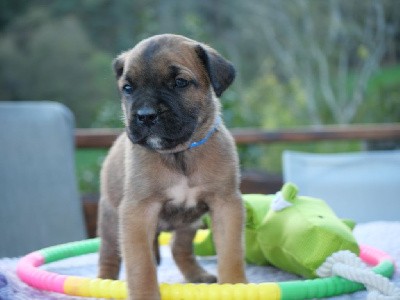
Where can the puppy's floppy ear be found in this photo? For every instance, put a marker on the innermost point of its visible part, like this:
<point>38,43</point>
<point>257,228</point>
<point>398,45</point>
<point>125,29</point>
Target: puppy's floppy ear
<point>220,71</point>
<point>118,64</point>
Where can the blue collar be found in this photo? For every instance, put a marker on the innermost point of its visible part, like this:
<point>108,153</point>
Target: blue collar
<point>208,135</point>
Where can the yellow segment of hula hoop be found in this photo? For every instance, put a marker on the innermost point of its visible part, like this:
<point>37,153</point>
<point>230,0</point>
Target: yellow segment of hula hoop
<point>98,288</point>
<point>116,289</point>
<point>165,237</point>
<point>190,291</point>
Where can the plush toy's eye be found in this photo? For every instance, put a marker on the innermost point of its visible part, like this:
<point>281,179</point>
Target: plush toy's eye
<point>127,89</point>
<point>181,83</point>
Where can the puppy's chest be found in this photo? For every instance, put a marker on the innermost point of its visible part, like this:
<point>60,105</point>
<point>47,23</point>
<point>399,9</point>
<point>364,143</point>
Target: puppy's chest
<point>183,207</point>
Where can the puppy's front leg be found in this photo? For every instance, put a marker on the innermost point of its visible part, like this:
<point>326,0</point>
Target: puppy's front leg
<point>109,254</point>
<point>227,225</point>
<point>138,225</point>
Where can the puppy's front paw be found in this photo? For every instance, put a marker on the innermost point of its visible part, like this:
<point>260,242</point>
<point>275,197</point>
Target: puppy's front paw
<point>203,277</point>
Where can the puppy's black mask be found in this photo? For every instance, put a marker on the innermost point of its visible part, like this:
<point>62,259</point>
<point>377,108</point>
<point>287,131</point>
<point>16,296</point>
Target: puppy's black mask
<point>158,117</point>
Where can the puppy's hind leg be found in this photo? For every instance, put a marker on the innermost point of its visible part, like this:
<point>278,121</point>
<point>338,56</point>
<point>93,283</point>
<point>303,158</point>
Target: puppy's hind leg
<point>182,251</point>
<point>109,254</point>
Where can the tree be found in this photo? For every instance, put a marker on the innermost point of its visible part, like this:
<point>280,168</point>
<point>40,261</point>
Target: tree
<point>47,59</point>
<point>332,48</point>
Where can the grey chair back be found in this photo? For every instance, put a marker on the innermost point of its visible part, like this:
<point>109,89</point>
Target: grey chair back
<point>39,201</point>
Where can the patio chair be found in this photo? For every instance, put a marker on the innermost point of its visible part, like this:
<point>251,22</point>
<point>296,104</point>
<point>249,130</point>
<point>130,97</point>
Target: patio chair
<point>39,201</point>
<point>363,186</point>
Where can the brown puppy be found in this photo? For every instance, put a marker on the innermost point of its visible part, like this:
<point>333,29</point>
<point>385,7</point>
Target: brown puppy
<point>175,162</point>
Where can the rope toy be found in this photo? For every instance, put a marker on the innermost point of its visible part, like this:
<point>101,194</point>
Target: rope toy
<point>347,265</point>
<point>28,271</point>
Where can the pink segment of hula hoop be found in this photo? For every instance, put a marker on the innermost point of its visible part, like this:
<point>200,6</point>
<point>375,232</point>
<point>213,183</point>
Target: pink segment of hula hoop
<point>29,273</point>
<point>373,256</point>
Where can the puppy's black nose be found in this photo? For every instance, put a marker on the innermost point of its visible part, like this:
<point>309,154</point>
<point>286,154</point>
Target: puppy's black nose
<point>146,116</point>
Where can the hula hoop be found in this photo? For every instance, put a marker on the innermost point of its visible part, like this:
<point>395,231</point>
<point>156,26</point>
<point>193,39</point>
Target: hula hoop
<point>28,271</point>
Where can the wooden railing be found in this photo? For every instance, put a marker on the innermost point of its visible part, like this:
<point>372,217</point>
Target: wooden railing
<point>103,138</point>
<point>252,182</point>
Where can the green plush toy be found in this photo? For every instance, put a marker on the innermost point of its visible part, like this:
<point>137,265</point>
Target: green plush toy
<point>293,233</point>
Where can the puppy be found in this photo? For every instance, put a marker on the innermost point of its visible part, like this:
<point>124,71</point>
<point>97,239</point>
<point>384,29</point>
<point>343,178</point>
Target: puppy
<point>175,162</point>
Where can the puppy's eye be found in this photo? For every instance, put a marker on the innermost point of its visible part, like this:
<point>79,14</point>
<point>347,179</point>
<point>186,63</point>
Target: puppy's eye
<point>181,83</point>
<point>127,89</point>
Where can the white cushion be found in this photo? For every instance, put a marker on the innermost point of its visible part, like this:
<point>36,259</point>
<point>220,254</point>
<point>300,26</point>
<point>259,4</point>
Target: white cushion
<point>363,186</point>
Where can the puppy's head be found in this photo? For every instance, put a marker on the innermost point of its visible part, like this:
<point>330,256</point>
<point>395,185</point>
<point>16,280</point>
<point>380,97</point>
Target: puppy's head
<point>168,86</point>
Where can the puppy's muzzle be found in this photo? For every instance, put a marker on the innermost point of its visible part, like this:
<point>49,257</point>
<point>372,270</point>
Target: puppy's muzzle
<point>146,116</point>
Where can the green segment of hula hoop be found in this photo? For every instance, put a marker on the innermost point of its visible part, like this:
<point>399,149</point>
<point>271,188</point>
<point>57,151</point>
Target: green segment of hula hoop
<point>317,288</point>
<point>385,268</point>
<point>301,289</point>
<point>59,252</point>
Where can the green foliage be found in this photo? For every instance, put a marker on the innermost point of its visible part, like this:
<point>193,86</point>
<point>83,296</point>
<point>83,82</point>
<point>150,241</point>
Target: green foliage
<point>109,116</point>
<point>382,103</point>
<point>88,163</point>
<point>11,9</point>
<point>276,104</point>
